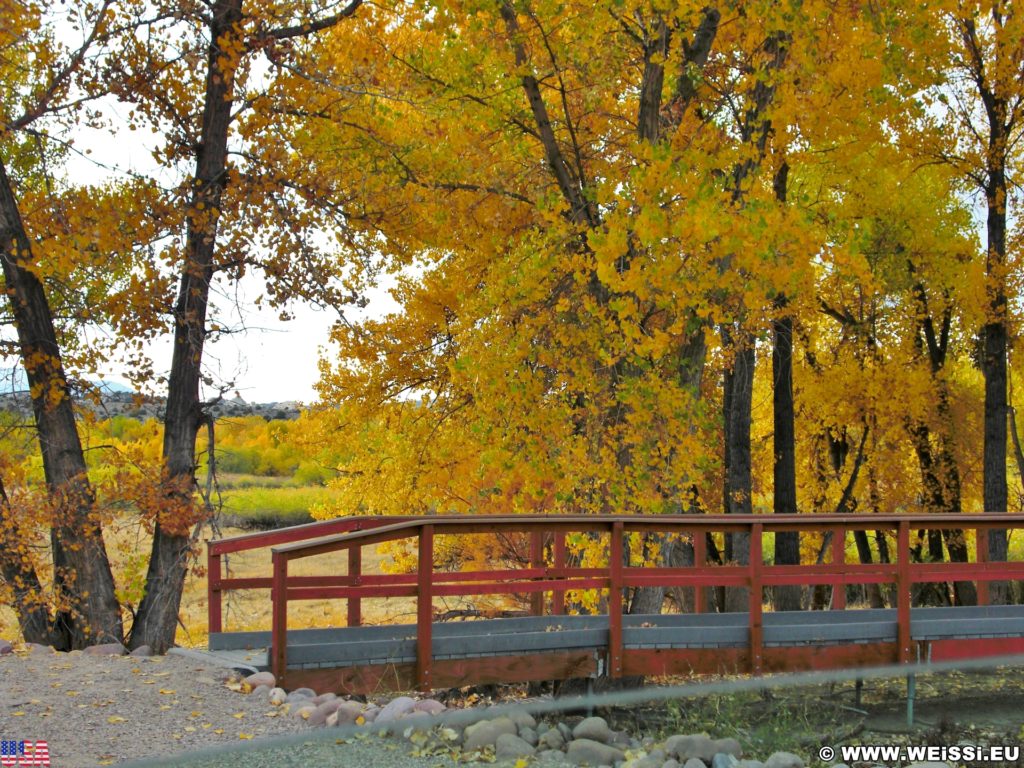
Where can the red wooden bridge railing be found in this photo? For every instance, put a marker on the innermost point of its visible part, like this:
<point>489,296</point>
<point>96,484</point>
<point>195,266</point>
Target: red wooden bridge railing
<point>553,575</point>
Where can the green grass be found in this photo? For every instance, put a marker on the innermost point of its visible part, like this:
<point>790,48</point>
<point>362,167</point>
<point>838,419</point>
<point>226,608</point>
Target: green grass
<point>271,506</point>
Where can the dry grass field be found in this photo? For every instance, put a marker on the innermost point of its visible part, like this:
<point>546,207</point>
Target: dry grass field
<point>249,609</point>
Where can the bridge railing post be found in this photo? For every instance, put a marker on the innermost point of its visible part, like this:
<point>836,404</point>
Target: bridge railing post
<point>616,555</point>
<point>424,608</point>
<point>558,555</point>
<point>838,558</point>
<point>700,560</point>
<point>903,591</point>
<point>355,571</point>
<point>279,619</point>
<point>537,561</point>
<point>213,590</point>
<point>756,598</point>
<point>981,556</point>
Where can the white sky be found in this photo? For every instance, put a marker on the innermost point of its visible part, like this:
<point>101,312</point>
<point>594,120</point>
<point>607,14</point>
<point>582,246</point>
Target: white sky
<point>270,361</point>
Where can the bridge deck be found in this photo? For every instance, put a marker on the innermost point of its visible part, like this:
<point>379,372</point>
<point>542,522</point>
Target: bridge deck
<point>427,654</point>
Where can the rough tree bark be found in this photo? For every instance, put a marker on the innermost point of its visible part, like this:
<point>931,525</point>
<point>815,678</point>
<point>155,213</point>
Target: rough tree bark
<point>157,616</point>
<point>89,610</point>
<point>787,544</point>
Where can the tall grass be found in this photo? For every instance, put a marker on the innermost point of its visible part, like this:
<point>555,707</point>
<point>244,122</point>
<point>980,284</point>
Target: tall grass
<point>271,506</point>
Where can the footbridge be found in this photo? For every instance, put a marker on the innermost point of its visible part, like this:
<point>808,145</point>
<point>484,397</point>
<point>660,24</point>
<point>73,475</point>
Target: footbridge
<point>548,639</point>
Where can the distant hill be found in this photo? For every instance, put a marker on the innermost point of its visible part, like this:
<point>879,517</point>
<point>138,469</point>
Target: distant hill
<point>117,399</point>
<point>13,381</point>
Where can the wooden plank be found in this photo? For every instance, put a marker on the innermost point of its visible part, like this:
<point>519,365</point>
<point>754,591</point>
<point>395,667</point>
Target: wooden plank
<point>455,673</point>
<point>976,648</point>
<point>903,586</point>
<point>424,609</point>
<point>685,661</point>
<point>616,555</point>
<point>810,658</point>
<point>355,681</point>
<point>536,562</point>
<point>306,531</point>
<point>756,598</point>
<point>213,593</point>
<point>981,556</point>
<point>279,617</point>
<point>700,560</point>
<point>355,572</point>
<point>558,555</point>
<point>839,560</point>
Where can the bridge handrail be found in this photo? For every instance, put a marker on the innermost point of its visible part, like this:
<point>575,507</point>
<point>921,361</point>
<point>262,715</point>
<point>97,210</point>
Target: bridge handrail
<point>754,576</point>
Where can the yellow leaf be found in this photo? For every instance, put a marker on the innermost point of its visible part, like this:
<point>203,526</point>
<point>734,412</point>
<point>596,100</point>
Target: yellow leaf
<point>238,715</point>
<point>167,691</point>
<point>245,735</point>
<point>218,730</point>
<point>115,719</point>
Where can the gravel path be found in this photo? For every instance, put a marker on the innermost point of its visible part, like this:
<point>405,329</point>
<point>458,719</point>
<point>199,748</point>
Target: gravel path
<point>104,710</point>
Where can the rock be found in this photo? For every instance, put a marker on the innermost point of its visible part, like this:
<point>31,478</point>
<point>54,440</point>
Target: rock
<point>730,747</point>
<point>521,718</point>
<point>529,736</point>
<point>106,649</point>
<point>37,648</point>
<point>673,763</point>
<point>510,747</point>
<point>644,762</point>
<point>622,740</point>
<point>319,715</point>
<point>348,712</point>
<point>590,752</point>
<point>144,651</point>
<point>784,760</point>
<point>277,697</point>
<point>304,711</point>
<point>551,739</point>
<point>300,695</point>
<point>658,754</point>
<point>724,760</point>
<point>429,706</point>
<point>691,745</point>
<point>370,713</point>
<point>395,709</point>
<point>595,729</point>
<point>261,678</point>
<point>318,700</point>
<point>550,757</point>
<point>694,762</point>
<point>261,690</point>
<point>759,764</point>
<point>5,648</point>
<point>566,732</point>
<point>486,733</point>
<point>332,720</point>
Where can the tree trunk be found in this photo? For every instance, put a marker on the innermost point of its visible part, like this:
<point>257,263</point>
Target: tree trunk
<point>994,334</point>
<point>157,617</point>
<point>20,575</point>
<point>85,584</point>
<point>738,486</point>
<point>787,544</point>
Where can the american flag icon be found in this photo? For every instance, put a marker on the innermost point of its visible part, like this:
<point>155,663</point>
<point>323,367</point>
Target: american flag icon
<point>16,754</point>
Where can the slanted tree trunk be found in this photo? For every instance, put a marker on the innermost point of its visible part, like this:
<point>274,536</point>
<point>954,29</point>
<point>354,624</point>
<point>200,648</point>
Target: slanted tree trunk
<point>157,617</point>
<point>85,585</point>
<point>20,575</point>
